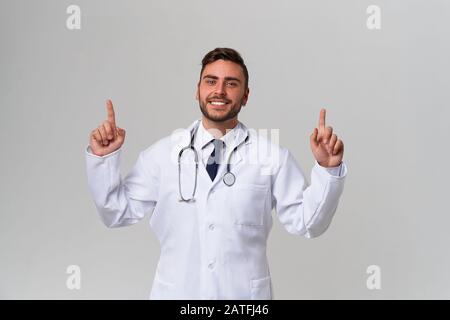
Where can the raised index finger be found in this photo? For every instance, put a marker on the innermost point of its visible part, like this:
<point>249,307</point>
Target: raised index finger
<point>322,118</point>
<point>110,110</point>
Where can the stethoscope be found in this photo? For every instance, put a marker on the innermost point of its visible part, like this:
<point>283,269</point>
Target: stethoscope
<point>228,178</point>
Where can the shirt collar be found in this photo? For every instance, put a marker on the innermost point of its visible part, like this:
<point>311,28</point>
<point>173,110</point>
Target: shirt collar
<point>204,137</point>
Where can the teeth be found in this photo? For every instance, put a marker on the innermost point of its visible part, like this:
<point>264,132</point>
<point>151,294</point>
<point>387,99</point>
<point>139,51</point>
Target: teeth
<point>217,103</point>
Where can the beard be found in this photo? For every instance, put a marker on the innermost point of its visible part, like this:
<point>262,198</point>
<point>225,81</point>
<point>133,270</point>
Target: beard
<point>220,116</point>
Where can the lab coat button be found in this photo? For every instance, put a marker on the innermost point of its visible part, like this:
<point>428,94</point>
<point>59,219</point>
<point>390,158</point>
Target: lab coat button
<point>211,265</point>
<point>211,226</point>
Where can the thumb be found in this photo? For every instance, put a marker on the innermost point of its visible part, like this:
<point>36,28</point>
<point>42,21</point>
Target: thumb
<point>313,138</point>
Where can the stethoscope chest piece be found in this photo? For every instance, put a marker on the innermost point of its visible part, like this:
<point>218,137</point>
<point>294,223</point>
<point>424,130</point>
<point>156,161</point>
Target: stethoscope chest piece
<point>229,179</point>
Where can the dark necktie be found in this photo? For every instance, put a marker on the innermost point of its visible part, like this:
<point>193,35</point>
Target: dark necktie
<point>213,162</point>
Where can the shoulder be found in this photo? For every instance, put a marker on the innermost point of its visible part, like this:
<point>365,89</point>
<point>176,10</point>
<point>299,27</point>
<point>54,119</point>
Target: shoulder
<point>267,141</point>
<point>265,149</point>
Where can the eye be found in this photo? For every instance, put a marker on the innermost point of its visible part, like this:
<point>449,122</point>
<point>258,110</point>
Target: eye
<point>210,81</point>
<point>231,84</point>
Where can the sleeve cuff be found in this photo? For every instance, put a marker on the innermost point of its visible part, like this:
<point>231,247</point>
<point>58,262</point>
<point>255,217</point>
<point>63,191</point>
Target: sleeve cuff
<point>339,171</point>
<point>88,152</point>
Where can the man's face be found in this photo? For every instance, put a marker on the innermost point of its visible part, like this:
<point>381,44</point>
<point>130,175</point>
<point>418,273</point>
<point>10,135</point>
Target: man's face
<point>221,90</point>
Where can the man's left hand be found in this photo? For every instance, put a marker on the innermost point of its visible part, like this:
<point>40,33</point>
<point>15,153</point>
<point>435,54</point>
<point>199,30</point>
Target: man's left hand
<point>325,145</point>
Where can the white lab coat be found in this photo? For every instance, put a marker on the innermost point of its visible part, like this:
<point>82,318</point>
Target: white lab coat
<point>215,247</point>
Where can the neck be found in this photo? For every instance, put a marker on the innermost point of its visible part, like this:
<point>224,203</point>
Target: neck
<point>219,129</point>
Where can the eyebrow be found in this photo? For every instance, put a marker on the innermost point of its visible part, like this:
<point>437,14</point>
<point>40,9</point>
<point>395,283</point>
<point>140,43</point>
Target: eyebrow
<point>226,78</point>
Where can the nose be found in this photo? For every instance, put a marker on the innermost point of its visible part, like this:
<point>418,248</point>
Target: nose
<point>220,88</point>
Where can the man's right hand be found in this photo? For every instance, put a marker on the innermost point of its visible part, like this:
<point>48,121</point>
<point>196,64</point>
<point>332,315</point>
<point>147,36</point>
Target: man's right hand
<point>107,137</point>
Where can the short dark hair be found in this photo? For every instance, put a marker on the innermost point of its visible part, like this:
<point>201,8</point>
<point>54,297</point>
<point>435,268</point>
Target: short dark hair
<point>227,54</point>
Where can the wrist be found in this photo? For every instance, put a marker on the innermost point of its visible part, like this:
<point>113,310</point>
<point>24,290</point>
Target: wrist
<point>329,166</point>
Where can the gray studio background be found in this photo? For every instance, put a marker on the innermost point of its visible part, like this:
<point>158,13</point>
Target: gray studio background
<point>386,92</point>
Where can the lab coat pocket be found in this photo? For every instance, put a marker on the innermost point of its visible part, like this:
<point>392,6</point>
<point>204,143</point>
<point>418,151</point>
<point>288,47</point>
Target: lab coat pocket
<point>162,290</point>
<point>249,204</point>
<point>261,289</point>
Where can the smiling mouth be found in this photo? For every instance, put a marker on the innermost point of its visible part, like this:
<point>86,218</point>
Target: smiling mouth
<point>218,103</point>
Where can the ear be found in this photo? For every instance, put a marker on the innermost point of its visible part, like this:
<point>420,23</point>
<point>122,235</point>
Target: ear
<point>245,98</point>
<point>197,94</point>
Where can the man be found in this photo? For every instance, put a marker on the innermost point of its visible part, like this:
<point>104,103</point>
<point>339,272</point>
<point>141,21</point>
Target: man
<point>213,219</point>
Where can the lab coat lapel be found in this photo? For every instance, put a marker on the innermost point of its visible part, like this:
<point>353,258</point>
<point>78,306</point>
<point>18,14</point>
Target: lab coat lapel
<point>238,156</point>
